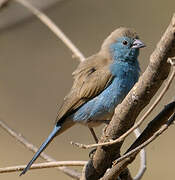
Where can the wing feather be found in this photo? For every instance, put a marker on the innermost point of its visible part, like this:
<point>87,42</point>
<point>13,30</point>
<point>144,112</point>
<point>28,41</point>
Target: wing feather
<point>91,77</point>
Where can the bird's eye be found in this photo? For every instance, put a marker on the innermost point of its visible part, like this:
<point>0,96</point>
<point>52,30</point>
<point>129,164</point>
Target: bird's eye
<point>125,43</point>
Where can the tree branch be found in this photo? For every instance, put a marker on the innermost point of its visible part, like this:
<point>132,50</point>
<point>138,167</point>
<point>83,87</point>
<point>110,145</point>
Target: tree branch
<point>31,147</point>
<point>53,27</point>
<point>154,125</point>
<point>142,168</point>
<point>136,100</point>
<point>43,165</point>
<point>155,128</point>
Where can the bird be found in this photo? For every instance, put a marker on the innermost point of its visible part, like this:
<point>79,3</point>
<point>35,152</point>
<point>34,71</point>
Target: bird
<point>101,82</point>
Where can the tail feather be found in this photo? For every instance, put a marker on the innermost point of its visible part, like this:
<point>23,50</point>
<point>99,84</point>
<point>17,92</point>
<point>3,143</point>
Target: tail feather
<point>42,147</point>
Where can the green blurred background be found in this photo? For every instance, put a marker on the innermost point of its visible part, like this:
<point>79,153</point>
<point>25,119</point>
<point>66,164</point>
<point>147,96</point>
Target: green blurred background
<point>35,75</point>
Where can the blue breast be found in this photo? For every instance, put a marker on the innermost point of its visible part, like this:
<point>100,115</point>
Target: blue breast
<point>102,106</point>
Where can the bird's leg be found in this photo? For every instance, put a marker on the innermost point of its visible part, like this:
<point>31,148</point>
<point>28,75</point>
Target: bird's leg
<point>92,130</point>
<point>95,137</point>
<point>93,134</point>
<point>91,154</point>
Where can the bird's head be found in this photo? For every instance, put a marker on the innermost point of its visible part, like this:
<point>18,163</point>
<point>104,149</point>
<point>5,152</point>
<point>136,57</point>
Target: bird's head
<point>123,45</point>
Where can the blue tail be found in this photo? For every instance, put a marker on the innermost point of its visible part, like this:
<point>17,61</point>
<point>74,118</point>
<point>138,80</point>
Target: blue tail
<point>41,149</point>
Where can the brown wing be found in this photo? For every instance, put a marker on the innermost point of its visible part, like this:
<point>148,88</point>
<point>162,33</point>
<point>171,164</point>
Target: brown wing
<point>91,77</point>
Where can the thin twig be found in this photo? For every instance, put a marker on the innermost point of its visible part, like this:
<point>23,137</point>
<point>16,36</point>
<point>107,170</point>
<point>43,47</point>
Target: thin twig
<point>121,138</point>
<point>43,165</point>
<point>31,147</point>
<point>153,130</point>
<point>142,168</point>
<point>53,27</point>
<point>156,134</point>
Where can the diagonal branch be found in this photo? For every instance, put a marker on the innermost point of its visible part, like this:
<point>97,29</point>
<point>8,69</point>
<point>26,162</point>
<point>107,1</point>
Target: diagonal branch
<point>142,168</point>
<point>53,27</point>
<point>155,128</point>
<point>31,147</point>
<point>152,131</point>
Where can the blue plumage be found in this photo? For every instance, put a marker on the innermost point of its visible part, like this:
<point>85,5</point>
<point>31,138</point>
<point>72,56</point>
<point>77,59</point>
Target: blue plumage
<point>102,106</point>
<point>125,71</point>
<point>101,83</point>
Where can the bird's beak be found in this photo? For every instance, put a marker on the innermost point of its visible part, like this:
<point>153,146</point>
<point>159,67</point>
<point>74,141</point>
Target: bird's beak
<point>137,44</point>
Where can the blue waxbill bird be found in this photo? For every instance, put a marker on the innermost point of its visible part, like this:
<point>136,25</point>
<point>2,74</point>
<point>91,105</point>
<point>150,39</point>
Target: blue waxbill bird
<point>101,82</point>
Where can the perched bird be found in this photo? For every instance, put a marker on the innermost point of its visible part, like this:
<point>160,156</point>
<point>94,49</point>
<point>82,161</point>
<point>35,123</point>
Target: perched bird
<point>101,82</point>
